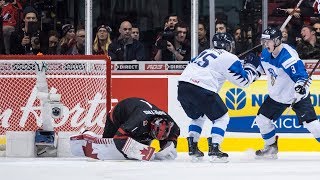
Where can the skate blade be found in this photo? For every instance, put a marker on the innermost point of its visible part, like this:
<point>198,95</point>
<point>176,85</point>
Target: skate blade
<point>195,159</point>
<point>267,157</point>
<point>215,159</point>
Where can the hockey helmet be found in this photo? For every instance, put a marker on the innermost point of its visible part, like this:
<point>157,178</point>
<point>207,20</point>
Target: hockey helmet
<point>272,33</point>
<point>160,128</point>
<point>223,41</point>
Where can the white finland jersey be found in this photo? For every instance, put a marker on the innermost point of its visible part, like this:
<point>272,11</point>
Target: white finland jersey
<point>282,73</point>
<point>213,67</point>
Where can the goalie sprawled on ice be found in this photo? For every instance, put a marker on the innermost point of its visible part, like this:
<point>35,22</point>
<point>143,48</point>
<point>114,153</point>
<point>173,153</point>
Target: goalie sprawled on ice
<point>130,127</point>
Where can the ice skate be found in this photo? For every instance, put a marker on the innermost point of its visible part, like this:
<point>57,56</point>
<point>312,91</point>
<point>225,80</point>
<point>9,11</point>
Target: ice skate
<point>215,154</point>
<point>194,151</point>
<point>269,151</point>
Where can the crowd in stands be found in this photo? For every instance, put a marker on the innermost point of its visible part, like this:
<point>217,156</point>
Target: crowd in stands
<point>171,44</point>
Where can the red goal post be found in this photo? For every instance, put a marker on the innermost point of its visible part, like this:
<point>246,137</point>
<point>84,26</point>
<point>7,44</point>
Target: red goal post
<point>84,83</point>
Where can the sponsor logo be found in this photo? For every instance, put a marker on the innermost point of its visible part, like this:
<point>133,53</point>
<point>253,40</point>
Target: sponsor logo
<point>235,99</point>
<point>55,66</point>
<point>284,124</point>
<point>5,67</point>
<point>75,66</point>
<point>99,67</point>
<point>127,66</point>
<point>112,66</point>
<point>177,66</point>
<point>155,67</point>
<point>23,66</point>
<point>82,114</point>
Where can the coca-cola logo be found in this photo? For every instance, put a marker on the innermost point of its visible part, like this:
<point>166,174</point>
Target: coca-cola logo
<point>23,66</point>
<point>155,67</point>
<point>74,66</point>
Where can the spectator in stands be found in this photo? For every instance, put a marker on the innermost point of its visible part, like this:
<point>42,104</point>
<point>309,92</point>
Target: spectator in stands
<point>79,46</point>
<point>221,27</point>
<point>102,40</point>
<point>168,31</point>
<point>176,48</point>
<point>316,27</point>
<point>135,33</point>
<point>53,42</point>
<point>29,39</point>
<point>204,43</point>
<point>240,42</point>
<point>300,16</point>
<point>10,16</point>
<point>309,46</point>
<point>68,39</point>
<point>286,39</point>
<point>125,48</point>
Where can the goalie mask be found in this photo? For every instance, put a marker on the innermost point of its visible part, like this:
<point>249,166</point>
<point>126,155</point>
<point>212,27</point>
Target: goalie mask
<point>223,41</point>
<point>160,128</point>
<point>271,33</point>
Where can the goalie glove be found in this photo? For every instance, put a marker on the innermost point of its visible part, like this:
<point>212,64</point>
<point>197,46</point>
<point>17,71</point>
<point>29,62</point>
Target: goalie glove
<point>169,152</point>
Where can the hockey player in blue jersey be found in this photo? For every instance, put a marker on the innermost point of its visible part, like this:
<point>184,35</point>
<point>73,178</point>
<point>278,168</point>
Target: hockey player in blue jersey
<point>198,89</point>
<point>286,76</point>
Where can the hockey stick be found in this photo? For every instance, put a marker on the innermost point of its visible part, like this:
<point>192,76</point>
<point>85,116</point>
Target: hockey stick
<point>285,23</point>
<point>290,16</point>
<point>240,55</point>
<point>304,85</point>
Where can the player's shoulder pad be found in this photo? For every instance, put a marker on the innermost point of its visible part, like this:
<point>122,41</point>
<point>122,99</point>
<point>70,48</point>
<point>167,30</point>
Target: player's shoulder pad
<point>289,56</point>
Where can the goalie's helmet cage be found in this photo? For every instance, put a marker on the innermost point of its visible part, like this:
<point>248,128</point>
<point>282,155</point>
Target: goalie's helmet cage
<point>223,41</point>
<point>272,33</point>
<point>160,128</point>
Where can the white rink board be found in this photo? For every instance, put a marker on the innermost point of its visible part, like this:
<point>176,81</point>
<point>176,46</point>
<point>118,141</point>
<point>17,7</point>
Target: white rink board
<point>289,166</point>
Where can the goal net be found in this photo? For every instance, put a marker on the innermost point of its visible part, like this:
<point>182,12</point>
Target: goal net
<point>82,81</point>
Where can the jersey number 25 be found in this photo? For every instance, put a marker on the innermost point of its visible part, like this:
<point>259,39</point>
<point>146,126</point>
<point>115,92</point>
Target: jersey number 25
<point>203,59</point>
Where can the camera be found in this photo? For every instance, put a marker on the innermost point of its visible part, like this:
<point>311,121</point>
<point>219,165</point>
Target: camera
<point>33,32</point>
<point>167,35</point>
<point>56,109</point>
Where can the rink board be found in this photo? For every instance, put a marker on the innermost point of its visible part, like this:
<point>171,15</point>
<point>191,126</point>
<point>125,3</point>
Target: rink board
<point>243,104</point>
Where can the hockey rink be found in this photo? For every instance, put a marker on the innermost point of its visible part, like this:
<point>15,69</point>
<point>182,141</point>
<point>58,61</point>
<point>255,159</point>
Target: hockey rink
<point>240,166</point>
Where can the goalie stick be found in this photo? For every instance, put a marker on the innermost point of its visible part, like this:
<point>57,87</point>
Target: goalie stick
<point>281,28</point>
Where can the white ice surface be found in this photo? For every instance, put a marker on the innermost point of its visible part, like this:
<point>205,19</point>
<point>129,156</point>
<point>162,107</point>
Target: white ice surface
<point>289,166</point>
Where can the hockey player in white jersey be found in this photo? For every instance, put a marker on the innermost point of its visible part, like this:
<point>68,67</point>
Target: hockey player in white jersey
<point>198,89</point>
<point>286,76</point>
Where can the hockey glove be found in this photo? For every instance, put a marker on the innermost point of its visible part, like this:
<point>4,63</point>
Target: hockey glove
<point>169,152</point>
<point>252,59</point>
<point>300,90</point>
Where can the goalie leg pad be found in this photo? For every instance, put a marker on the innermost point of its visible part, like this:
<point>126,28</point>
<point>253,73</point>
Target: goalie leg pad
<point>85,145</point>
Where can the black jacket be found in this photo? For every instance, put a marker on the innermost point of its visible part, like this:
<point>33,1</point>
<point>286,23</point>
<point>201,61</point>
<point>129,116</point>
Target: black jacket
<point>126,51</point>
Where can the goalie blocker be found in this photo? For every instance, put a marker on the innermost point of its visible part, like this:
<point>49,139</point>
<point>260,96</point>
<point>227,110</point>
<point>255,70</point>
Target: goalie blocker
<point>130,127</point>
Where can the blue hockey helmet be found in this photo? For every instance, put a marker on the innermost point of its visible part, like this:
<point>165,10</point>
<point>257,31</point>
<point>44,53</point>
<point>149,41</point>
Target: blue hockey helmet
<point>272,33</point>
<point>223,41</point>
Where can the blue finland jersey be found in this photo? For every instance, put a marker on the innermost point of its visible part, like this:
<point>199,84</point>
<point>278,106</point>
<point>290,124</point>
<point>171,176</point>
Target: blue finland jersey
<point>282,73</point>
